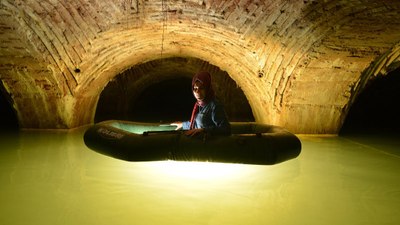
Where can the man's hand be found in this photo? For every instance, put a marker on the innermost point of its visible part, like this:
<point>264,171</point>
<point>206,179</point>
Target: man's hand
<point>177,124</point>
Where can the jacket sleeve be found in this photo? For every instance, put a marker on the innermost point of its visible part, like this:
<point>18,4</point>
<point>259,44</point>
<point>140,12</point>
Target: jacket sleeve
<point>185,125</point>
<point>219,118</point>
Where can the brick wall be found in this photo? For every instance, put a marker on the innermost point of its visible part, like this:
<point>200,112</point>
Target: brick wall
<point>300,63</point>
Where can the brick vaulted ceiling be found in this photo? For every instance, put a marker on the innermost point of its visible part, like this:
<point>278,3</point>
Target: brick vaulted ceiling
<point>300,63</point>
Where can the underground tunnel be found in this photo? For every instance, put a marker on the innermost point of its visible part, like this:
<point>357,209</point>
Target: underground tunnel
<point>297,62</point>
<point>160,91</point>
<point>8,117</point>
<point>318,68</point>
<point>376,109</point>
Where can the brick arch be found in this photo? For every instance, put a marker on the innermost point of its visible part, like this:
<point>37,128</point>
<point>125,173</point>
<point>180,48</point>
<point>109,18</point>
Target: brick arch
<point>98,72</point>
<point>298,62</point>
<point>120,94</point>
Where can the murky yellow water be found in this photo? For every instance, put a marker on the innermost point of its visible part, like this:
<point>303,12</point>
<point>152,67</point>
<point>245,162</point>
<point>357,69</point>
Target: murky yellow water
<point>53,178</point>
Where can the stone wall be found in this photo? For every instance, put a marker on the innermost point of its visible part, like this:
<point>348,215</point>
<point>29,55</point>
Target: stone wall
<point>300,64</point>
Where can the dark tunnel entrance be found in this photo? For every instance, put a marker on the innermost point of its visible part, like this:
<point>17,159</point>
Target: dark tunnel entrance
<point>167,101</point>
<point>376,109</point>
<point>8,117</point>
<point>160,91</point>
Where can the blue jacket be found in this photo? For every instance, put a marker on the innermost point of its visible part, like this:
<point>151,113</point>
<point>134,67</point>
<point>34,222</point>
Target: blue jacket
<point>212,118</point>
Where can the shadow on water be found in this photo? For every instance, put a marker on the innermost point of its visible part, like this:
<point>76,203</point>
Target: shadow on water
<point>384,142</point>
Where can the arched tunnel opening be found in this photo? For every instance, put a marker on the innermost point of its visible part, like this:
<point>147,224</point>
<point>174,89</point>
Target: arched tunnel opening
<point>160,91</point>
<point>8,118</point>
<point>169,100</point>
<point>376,109</point>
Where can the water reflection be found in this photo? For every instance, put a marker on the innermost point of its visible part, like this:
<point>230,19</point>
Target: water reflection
<point>52,178</point>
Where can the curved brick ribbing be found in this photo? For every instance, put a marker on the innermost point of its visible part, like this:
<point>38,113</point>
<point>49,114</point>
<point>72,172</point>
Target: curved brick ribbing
<point>298,62</point>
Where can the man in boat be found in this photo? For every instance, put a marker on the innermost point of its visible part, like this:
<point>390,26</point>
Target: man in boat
<point>208,115</point>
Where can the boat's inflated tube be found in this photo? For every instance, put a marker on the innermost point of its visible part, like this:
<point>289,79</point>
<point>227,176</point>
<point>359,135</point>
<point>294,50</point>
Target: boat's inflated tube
<point>249,143</point>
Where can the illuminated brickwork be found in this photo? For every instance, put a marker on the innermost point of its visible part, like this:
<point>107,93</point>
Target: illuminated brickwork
<point>300,63</point>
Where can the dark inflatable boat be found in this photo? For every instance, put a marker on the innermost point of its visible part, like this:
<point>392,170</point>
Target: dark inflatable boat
<point>249,143</point>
